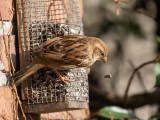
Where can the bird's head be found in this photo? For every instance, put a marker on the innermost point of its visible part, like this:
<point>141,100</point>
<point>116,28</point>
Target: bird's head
<point>100,51</point>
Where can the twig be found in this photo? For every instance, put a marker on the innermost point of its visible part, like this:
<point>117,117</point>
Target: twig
<point>30,117</point>
<point>133,74</point>
<point>117,5</point>
<point>9,58</point>
<point>20,104</point>
<point>15,103</point>
<point>134,101</point>
<point>5,43</point>
<point>11,62</point>
<point>69,114</point>
<point>7,48</point>
<point>139,77</point>
<point>16,109</point>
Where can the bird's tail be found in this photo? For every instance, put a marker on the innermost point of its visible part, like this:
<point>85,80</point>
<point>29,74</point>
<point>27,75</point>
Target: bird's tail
<point>21,75</point>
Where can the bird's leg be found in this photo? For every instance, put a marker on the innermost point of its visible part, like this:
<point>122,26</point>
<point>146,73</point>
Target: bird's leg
<point>63,79</point>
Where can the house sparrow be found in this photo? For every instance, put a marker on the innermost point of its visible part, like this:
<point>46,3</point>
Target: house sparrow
<point>63,53</point>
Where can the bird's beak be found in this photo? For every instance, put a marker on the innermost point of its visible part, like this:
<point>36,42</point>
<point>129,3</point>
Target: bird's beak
<point>104,59</point>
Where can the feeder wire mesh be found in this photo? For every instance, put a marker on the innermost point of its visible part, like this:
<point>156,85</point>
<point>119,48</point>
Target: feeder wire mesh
<point>39,21</point>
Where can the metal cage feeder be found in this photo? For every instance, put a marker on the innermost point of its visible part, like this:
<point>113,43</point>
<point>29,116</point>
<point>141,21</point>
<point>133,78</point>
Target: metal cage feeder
<point>39,21</point>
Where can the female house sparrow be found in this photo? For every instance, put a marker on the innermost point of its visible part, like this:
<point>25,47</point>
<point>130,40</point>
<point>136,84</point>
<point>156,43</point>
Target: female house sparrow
<point>63,53</point>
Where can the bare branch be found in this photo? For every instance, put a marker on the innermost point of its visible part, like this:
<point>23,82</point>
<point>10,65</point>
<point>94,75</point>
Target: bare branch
<point>141,81</point>
<point>133,74</point>
<point>134,101</point>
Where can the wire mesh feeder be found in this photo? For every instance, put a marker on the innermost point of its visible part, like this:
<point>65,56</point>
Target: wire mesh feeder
<point>39,21</point>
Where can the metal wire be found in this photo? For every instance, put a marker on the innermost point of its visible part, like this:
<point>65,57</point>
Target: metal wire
<point>39,21</point>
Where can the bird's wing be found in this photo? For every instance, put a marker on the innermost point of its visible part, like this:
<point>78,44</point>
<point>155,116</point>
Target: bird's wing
<point>58,48</point>
<point>70,49</point>
<point>76,51</point>
<point>52,50</point>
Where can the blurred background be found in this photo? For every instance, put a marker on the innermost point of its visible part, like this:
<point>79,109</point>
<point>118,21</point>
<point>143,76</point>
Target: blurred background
<point>131,41</point>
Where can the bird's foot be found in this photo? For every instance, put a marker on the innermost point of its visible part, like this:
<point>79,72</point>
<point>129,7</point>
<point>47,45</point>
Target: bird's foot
<point>63,79</point>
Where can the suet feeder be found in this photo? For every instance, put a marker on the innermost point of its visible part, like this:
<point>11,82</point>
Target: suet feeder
<point>39,21</point>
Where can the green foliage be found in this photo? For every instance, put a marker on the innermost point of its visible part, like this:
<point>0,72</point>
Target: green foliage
<point>154,116</point>
<point>158,38</point>
<point>157,74</point>
<point>115,113</point>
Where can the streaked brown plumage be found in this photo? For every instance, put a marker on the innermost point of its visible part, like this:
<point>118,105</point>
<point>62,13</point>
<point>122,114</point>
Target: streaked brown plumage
<point>63,53</point>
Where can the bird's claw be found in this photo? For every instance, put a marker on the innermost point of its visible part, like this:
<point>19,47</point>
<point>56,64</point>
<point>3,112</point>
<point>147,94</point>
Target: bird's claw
<point>63,79</point>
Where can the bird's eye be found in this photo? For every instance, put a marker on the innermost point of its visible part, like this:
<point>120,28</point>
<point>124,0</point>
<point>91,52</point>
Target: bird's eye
<point>102,54</point>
